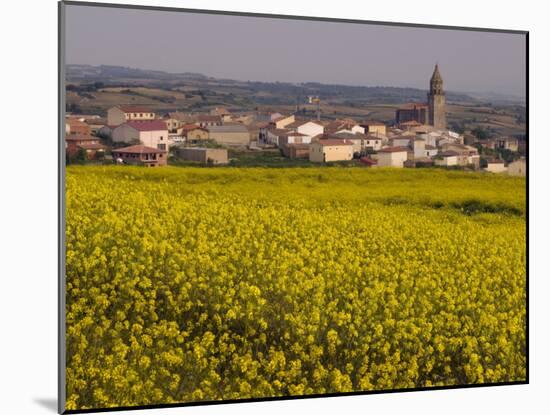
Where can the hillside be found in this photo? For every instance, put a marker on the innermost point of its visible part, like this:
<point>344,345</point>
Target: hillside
<point>96,88</point>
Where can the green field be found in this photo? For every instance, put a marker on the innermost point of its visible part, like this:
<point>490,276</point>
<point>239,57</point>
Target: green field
<point>188,284</point>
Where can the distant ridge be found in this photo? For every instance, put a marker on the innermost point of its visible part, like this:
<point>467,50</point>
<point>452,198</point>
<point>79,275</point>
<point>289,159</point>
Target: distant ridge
<point>281,91</point>
<point>103,72</point>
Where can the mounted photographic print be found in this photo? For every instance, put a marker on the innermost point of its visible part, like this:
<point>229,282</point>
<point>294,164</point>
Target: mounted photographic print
<point>259,207</point>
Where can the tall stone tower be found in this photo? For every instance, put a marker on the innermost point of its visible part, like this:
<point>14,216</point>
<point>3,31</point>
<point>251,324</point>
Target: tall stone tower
<point>436,101</point>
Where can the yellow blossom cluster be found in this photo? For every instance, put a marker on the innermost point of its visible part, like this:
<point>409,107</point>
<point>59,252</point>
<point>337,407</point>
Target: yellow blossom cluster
<point>190,284</point>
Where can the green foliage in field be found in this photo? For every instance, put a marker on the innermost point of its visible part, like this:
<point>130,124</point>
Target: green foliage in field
<point>187,284</point>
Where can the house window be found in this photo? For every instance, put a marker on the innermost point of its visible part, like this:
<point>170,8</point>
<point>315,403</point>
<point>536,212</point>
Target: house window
<point>161,146</point>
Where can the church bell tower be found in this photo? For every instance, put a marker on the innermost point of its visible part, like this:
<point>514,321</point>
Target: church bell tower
<point>436,101</point>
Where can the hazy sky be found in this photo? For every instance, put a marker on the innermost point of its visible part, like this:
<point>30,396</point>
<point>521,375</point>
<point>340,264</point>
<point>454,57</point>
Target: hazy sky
<point>264,49</point>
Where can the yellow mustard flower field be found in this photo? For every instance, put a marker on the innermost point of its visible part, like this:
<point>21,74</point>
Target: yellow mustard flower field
<point>200,284</point>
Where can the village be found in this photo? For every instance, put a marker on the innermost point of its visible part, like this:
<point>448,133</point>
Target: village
<point>417,137</point>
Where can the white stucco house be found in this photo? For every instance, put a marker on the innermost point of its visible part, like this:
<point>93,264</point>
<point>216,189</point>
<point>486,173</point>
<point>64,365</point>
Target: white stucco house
<point>307,128</point>
<point>430,150</point>
<point>402,141</point>
<point>373,142</point>
<point>391,157</point>
<point>327,150</point>
<point>419,147</point>
<point>152,133</point>
<point>293,137</point>
<point>447,159</point>
<point>355,129</point>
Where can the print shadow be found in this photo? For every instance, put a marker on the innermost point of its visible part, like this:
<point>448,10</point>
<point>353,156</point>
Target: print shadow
<point>48,403</point>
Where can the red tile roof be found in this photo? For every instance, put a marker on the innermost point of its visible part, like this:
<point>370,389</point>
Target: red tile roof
<point>334,142</point>
<point>134,108</point>
<point>283,132</point>
<point>448,153</point>
<point>209,118</point>
<point>151,125</point>
<point>75,122</point>
<point>81,137</point>
<point>278,131</point>
<point>299,123</point>
<point>393,150</point>
<point>354,136</point>
<point>180,116</point>
<point>368,123</point>
<point>138,149</point>
<point>92,146</point>
<point>221,111</point>
<point>189,127</point>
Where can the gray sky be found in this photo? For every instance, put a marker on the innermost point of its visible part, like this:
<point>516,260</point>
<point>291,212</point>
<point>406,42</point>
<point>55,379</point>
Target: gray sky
<point>263,49</point>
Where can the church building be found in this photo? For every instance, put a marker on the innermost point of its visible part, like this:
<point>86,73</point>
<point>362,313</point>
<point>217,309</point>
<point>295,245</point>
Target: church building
<point>432,113</point>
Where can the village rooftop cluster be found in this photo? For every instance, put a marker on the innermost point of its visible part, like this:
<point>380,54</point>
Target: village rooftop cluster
<point>418,137</point>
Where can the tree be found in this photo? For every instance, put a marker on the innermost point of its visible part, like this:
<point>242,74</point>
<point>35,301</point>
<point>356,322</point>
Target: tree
<point>81,156</point>
<point>480,133</point>
<point>508,155</point>
<point>74,108</point>
<point>455,126</point>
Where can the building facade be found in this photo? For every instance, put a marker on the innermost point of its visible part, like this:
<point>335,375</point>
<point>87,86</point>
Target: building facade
<point>92,146</point>
<point>392,157</point>
<point>230,134</point>
<point>330,150</point>
<point>432,113</point>
<point>150,133</point>
<point>517,168</point>
<point>75,126</point>
<point>140,155</point>
<point>203,155</point>
<point>412,112</point>
<point>496,166</point>
<point>375,128</point>
<point>122,113</point>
